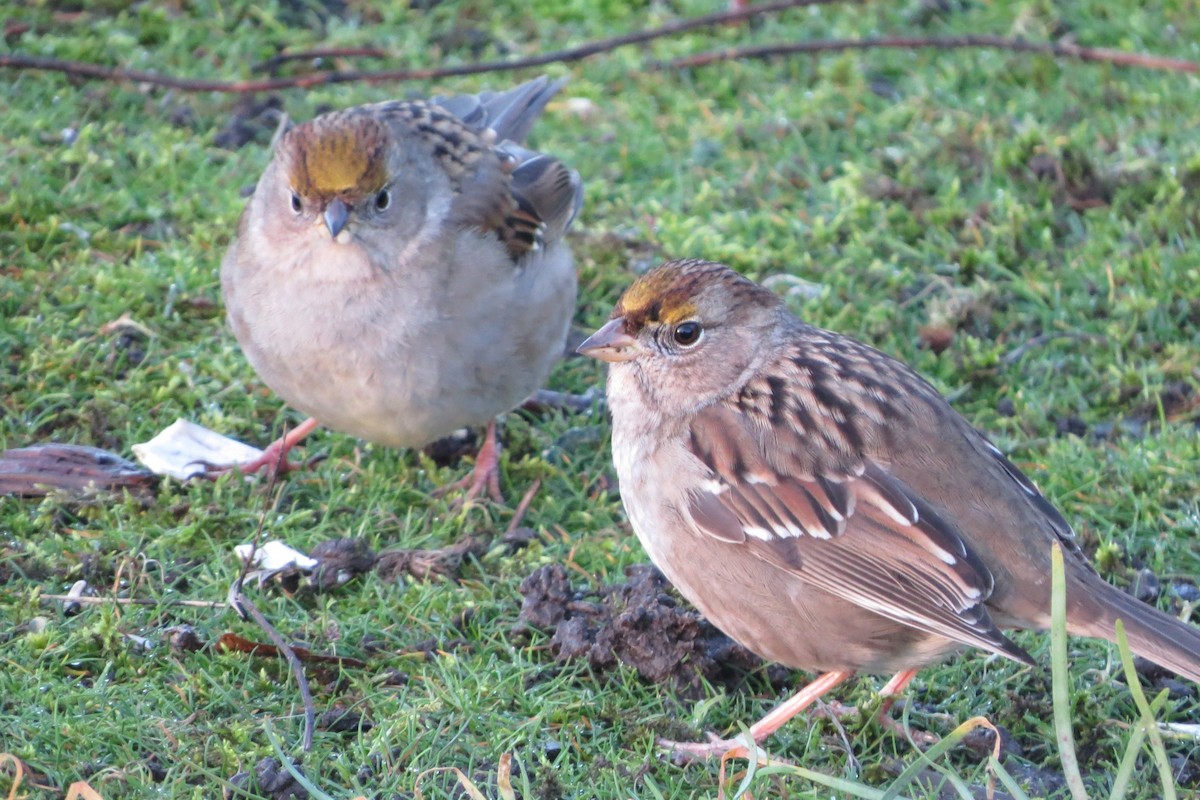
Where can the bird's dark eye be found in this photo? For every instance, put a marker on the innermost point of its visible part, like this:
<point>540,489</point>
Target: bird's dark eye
<point>297,206</point>
<point>687,333</point>
<point>383,200</point>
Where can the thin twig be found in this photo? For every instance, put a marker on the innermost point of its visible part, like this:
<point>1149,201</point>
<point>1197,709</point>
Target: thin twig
<point>80,69</point>
<point>245,606</point>
<point>272,63</point>
<point>131,601</point>
<point>1060,49</point>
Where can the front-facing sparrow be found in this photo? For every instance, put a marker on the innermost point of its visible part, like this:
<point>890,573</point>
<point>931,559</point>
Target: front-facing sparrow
<point>400,271</point>
<point>822,504</point>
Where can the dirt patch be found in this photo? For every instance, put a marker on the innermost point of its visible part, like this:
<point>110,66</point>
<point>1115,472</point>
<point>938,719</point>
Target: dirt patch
<point>641,623</point>
<point>253,118</point>
<point>341,560</point>
<point>1077,182</point>
<point>271,778</point>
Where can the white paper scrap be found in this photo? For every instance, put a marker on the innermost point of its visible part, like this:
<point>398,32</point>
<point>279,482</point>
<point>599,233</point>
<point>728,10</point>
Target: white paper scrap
<point>184,450</point>
<point>275,556</point>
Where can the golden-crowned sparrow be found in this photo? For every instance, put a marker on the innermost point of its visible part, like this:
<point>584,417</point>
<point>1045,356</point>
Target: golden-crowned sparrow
<point>822,504</point>
<point>400,271</point>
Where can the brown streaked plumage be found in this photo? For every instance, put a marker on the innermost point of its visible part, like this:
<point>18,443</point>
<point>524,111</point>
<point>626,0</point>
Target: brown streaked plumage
<point>821,503</point>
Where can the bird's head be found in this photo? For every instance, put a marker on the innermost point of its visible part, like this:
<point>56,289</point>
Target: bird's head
<point>336,170</point>
<point>691,330</point>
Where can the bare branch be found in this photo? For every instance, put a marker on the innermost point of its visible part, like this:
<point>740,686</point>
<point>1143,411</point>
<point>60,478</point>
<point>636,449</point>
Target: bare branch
<point>240,601</point>
<point>81,69</point>
<point>274,62</point>
<point>1059,49</point>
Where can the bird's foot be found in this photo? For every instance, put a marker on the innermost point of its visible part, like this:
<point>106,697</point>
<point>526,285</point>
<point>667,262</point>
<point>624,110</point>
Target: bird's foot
<point>839,712</point>
<point>683,752</point>
<point>274,459</point>
<point>484,477</point>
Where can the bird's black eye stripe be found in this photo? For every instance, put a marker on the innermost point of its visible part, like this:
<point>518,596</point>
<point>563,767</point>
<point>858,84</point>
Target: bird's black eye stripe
<point>297,206</point>
<point>383,200</point>
<point>687,333</point>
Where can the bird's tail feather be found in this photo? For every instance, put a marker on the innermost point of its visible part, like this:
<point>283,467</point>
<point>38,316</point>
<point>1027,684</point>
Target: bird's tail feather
<point>510,114</point>
<point>1152,634</point>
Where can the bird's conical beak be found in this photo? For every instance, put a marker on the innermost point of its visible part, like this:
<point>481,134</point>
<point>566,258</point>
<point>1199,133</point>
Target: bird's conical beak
<point>611,343</point>
<point>336,214</point>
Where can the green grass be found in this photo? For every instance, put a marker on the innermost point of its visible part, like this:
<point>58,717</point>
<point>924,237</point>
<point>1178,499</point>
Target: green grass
<point>917,192</point>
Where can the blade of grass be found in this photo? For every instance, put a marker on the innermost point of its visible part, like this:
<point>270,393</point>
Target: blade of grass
<point>1060,690</point>
<point>1009,782</point>
<point>1125,768</point>
<point>298,776</point>
<point>81,790</point>
<point>504,785</point>
<point>1148,723</point>
<point>648,785</point>
<point>468,786</point>
<point>842,785</point>
<point>926,759</point>
<point>752,753</point>
<point>18,773</point>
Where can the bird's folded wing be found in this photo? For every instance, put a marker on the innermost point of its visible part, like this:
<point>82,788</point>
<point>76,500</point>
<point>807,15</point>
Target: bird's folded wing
<point>852,530</point>
<point>526,197</point>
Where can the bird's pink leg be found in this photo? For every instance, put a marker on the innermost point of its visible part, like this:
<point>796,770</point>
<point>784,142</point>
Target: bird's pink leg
<point>732,748</point>
<point>274,458</point>
<point>891,692</point>
<point>485,476</point>
<point>893,688</point>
